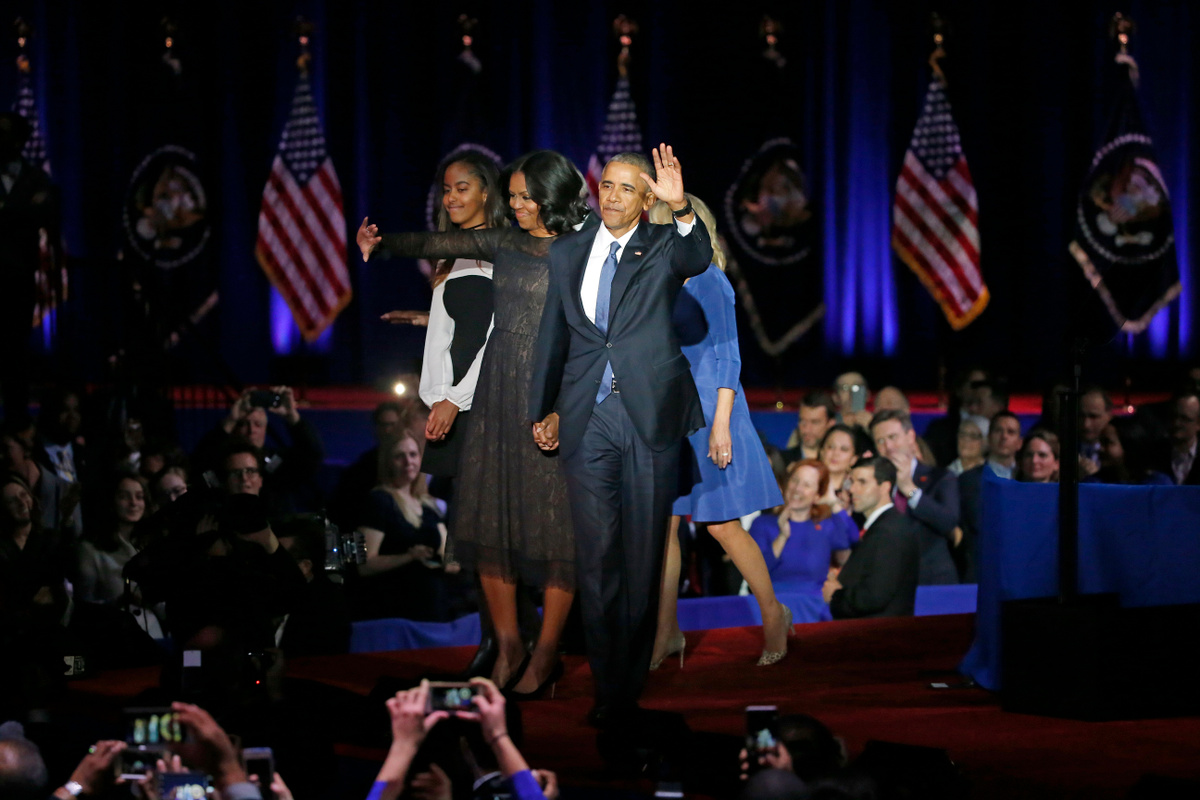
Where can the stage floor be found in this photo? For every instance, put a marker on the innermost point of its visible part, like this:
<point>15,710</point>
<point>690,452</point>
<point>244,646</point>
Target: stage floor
<point>866,679</point>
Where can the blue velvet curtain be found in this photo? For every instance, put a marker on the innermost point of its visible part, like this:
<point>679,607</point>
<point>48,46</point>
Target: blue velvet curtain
<point>1025,85</point>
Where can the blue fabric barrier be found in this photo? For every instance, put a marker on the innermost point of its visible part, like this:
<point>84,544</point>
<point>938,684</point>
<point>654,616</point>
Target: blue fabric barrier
<point>1142,542</point>
<point>695,614</point>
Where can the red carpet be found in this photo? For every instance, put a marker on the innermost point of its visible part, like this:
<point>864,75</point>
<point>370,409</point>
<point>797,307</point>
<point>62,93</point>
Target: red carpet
<point>866,679</point>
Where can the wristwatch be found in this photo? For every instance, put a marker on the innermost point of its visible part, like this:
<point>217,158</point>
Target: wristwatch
<point>683,212</point>
<point>74,788</point>
<point>913,493</point>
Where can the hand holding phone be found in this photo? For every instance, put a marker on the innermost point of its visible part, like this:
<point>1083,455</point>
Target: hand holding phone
<point>260,764</point>
<point>451,697</point>
<point>762,733</point>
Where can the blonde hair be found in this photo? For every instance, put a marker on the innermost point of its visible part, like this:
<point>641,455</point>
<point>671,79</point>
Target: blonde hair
<point>660,214</point>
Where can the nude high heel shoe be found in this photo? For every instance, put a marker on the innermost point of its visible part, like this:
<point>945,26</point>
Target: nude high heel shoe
<point>770,657</point>
<point>678,645</point>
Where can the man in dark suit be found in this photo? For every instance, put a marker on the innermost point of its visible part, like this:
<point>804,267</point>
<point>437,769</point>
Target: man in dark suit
<point>927,495</point>
<point>608,362</point>
<point>1179,460</point>
<point>880,579</point>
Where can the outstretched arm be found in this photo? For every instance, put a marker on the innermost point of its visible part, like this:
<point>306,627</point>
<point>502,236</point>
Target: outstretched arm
<point>480,244</point>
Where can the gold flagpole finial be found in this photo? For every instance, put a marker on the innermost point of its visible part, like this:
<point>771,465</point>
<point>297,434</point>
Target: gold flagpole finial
<point>170,33</point>
<point>24,33</point>
<point>302,29</point>
<point>624,29</point>
<point>941,29</point>
<point>770,29</point>
<point>1122,29</point>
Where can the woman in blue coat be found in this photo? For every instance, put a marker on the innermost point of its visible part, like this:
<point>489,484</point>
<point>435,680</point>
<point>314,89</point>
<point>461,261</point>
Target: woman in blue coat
<point>736,475</point>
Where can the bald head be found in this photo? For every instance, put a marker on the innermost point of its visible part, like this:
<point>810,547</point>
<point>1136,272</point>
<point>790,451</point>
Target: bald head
<point>22,771</point>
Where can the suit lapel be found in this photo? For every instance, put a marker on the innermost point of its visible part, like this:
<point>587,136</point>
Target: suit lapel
<point>577,258</point>
<point>632,260</point>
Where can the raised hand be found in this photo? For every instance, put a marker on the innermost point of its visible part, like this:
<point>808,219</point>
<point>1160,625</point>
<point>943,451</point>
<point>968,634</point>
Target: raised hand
<point>669,186</point>
<point>420,318</point>
<point>368,236</point>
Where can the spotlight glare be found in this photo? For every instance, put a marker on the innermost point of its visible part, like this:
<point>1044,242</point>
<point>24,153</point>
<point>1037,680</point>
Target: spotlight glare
<point>400,388</point>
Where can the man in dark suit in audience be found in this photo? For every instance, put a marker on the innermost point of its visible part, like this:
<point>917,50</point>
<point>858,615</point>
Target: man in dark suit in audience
<point>880,579</point>
<point>1179,461</point>
<point>928,496</point>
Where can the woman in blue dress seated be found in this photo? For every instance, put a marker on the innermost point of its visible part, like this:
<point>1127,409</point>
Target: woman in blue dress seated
<point>805,540</point>
<point>736,476</point>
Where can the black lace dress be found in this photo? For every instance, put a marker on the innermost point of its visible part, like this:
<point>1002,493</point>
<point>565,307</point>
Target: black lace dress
<point>510,517</point>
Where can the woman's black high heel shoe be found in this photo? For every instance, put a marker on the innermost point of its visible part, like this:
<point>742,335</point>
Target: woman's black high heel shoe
<point>548,684</point>
<point>484,659</point>
<point>516,676</point>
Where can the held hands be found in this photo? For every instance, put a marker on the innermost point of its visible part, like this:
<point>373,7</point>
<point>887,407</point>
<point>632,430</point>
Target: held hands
<point>669,186</point>
<point>545,433</point>
<point>367,237</point>
<point>720,445</point>
<point>441,418</point>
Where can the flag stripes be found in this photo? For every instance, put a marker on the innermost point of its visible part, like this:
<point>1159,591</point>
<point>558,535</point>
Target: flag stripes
<point>935,215</point>
<point>301,225</point>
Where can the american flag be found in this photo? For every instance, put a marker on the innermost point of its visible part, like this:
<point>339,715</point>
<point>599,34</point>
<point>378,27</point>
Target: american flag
<point>935,218</point>
<point>301,228</point>
<point>621,134</point>
<point>51,276</point>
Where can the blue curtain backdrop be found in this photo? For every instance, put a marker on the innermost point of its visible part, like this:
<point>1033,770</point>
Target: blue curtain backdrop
<point>1025,85</point>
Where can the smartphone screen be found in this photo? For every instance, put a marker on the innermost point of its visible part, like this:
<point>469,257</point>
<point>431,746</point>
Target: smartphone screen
<point>858,397</point>
<point>260,763</point>
<point>761,730</point>
<point>152,726</point>
<point>183,786</point>
<point>452,696</point>
<point>136,760</point>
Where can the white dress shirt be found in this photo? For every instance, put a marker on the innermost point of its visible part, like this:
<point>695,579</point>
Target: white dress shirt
<point>437,370</point>
<point>590,288</point>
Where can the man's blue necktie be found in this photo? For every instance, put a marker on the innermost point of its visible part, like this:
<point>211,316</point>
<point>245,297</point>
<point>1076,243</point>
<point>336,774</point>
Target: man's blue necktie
<point>603,296</point>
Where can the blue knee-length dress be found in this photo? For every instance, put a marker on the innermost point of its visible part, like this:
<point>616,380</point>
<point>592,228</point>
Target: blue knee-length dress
<point>706,325</point>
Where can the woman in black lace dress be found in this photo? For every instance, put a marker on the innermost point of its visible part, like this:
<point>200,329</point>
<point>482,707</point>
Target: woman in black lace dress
<point>512,522</point>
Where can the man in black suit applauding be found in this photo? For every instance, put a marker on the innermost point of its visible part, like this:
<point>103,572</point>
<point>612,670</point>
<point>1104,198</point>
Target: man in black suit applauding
<point>608,361</point>
<point>880,579</point>
<point>927,496</point>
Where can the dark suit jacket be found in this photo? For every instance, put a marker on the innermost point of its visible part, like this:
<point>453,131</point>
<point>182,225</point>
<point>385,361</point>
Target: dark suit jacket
<point>651,371</point>
<point>1162,463</point>
<point>935,519</point>
<point>880,579</point>
<point>970,496</point>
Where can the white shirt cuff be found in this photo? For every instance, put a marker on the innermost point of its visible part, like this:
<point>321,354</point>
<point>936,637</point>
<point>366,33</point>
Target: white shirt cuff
<point>685,228</point>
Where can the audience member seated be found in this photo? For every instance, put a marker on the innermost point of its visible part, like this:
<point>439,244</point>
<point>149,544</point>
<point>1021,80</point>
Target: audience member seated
<point>844,395</point>
<point>221,568</point>
<point>33,600</point>
<point>1095,412</point>
<point>942,432</point>
<point>840,449</point>
<point>1179,461</point>
<point>404,574</point>
<point>1126,454</point>
<point>319,623</point>
<point>346,505</point>
<point>817,415</point>
<point>889,398</point>
<point>1039,458</point>
<point>59,425</point>
<point>168,485</point>
<point>971,449</point>
<point>287,471</point>
<point>986,399</point>
<point>927,496</point>
<point>1004,442</point>
<point>57,499</point>
<point>109,545</point>
<point>806,538</point>
<point>805,746</point>
<point>880,577</point>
